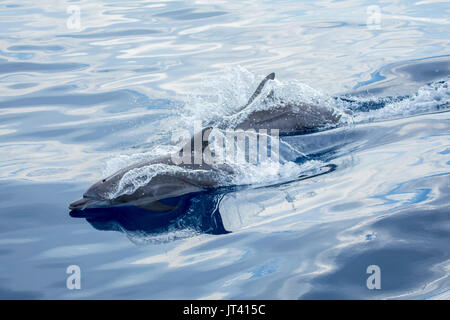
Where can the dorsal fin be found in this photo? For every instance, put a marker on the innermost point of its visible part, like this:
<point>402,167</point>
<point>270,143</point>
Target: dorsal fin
<point>257,91</point>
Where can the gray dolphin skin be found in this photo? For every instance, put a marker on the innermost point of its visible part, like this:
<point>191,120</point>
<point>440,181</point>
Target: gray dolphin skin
<point>286,117</point>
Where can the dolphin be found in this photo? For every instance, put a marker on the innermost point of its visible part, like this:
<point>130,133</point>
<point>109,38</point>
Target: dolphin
<point>176,180</point>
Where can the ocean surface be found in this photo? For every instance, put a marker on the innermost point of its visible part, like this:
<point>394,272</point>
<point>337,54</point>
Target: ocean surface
<point>90,87</point>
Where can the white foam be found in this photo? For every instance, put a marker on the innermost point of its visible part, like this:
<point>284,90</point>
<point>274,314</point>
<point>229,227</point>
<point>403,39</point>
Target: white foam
<point>117,162</point>
<point>429,98</point>
<point>228,92</point>
<point>141,176</point>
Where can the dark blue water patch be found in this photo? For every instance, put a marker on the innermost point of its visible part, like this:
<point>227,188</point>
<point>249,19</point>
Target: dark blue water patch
<point>35,48</point>
<point>110,34</point>
<point>59,88</point>
<point>402,269</point>
<point>189,14</point>
<point>417,240</point>
<point>16,67</point>
<point>4,252</point>
<point>426,71</point>
<point>418,70</point>
<point>9,294</point>
<point>39,209</point>
<point>422,226</point>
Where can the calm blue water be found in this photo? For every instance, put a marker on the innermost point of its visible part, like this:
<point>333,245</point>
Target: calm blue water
<point>83,98</point>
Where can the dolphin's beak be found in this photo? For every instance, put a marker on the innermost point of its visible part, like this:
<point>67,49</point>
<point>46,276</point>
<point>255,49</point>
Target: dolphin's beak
<point>79,204</point>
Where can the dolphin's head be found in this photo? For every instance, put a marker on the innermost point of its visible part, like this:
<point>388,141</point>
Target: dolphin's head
<point>98,194</point>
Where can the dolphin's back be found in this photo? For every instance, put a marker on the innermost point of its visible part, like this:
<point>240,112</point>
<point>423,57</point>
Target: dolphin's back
<point>290,118</point>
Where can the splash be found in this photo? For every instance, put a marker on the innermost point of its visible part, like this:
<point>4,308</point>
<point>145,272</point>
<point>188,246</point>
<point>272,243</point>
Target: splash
<point>432,97</point>
<point>228,92</point>
<point>139,177</point>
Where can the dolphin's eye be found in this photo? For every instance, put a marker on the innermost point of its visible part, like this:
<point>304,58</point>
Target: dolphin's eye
<point>104,180</point>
